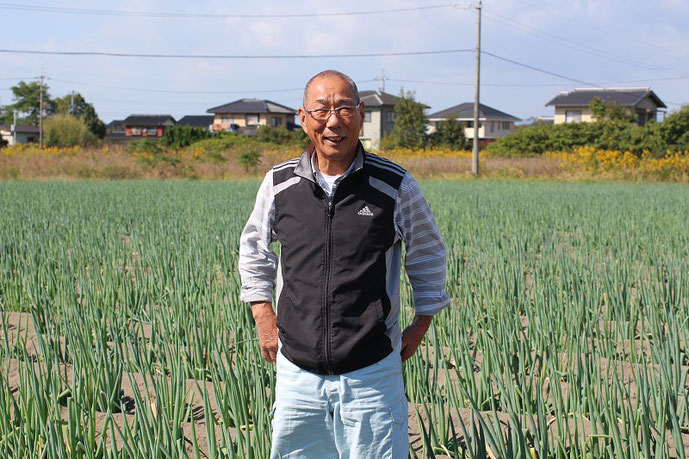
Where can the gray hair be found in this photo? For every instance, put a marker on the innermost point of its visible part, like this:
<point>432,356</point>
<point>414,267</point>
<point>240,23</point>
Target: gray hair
<point>332,74</point>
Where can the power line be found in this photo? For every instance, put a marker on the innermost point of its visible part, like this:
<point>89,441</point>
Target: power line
<point>534,85</point>
<point>455,83</point>
<point>216,15</point>
<point>230,56</point>
<point>599,29</point>
<point>547,72</point>
<point>176,91</point>
<point>569,44</point>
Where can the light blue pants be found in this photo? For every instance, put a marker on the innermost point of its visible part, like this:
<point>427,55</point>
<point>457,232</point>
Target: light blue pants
<point>360,414</point>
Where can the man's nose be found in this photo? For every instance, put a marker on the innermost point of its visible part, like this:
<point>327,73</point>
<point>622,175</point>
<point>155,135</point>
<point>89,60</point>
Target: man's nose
<point>333,120</point>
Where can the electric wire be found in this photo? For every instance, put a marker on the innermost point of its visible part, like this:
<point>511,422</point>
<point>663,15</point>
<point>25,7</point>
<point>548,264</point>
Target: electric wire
<point>231,56</point>
<point>536,69</point>
<point>215,15</point>
<point>569,44</point>
<point>598,29</point>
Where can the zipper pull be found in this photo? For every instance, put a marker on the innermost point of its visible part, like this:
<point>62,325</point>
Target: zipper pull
<point>330,209</point>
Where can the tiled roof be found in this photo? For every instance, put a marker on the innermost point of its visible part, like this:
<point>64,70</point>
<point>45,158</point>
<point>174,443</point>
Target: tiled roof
<point>20,128</point>
<point>196,120</point>
<point>465,111</point>
<point>626,97</point>
<point>252,106</point>
<point>149,120</point>
<point>377,98</point>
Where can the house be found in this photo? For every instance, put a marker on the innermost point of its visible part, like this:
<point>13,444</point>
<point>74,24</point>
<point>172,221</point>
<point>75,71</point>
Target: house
<point>492,123</point>
<point>573,106</point>
<point>201,121</point>
<point>115,126</point>
<point>147,125</point>
<point>138,127</point>
<point>379,109</point>
<point>246,115</point>
<point>19,134</point>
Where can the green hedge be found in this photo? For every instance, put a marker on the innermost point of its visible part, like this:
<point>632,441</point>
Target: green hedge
<point>671,134</point>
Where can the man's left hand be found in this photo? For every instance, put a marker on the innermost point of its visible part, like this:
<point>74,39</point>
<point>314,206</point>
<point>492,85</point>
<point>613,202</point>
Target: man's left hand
<point>413,335</point>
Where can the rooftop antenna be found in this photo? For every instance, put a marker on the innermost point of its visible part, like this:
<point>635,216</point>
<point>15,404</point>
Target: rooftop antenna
<point>382,79</point>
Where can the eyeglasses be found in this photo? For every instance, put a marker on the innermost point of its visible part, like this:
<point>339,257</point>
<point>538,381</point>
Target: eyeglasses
<point>322,114</point>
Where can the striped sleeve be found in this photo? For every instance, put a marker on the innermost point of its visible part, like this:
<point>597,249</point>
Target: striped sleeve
<point>425,250</point>
<point>257,261</point>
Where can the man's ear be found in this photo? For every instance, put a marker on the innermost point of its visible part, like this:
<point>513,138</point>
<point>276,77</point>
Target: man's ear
<point>302,119</point>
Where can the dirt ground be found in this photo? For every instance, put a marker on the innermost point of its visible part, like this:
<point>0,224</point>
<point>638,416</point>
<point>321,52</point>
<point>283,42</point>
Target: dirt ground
<point>19,325</point>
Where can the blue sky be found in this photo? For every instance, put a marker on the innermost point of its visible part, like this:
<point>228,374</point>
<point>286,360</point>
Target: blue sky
<point>613,43</point>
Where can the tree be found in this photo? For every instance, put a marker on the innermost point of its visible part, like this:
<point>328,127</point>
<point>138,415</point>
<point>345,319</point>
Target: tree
<point>183,136</point>
<point>410,122</point>
<point>81,110</point>
<point>449,133</point>
<point>27,98</point>
<point>610,111</point>
<point>675,129</point>
<point>67,131</point>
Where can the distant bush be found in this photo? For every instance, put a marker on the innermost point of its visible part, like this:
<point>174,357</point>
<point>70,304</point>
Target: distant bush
<point>223,140</point>
<point>249,159</point>
<point>281,136</point>
<point>67,131</point>
<point>149,146</point>
<point>182,136</point>
<point>449,133</point>
<point>615,132</point>
<point>277,136</point>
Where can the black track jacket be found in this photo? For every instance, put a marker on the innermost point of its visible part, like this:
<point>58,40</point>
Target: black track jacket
<point>340,256</point>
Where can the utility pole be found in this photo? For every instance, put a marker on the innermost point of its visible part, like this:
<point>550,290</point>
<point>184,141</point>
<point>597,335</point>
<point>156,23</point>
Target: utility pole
<point>14,127</point>
<point>474,156</point>
<point>71,106</point>
<point>40,129</point>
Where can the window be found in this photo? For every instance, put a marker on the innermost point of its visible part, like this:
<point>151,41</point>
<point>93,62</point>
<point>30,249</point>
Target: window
<point>506,125</point>
<point>492,126</point>
<point>136,131</point>
<point>390,117</point>
<point>226,119</point>
<point>470,124</point>
<point>572,116</point>
<point>276,121</point>
<point>251,120</point>
<point>367,117</point>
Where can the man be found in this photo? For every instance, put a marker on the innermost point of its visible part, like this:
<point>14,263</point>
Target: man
<point>340,215</point>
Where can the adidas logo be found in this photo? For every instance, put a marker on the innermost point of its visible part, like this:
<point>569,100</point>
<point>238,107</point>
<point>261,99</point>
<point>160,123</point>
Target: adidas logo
<point>366,212</point>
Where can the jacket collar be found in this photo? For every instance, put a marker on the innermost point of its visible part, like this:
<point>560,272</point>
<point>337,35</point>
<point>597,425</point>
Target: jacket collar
<point>304,169</point>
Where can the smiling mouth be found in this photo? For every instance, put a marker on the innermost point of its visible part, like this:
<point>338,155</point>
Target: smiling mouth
<point>334,140</point>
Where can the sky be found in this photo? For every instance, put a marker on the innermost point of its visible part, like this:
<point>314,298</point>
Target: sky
<point>532,50</point>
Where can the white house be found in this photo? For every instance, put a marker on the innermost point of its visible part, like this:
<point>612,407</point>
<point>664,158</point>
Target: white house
<point>245,115</point>
<point>573,106</point>
<point>492,124</point>
<point>379,109</point>
<point>23,134</point>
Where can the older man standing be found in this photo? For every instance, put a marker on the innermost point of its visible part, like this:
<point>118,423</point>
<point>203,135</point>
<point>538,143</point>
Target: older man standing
<point>340,215</point>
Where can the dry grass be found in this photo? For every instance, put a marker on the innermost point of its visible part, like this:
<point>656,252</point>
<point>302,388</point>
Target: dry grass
<point>114,163</point>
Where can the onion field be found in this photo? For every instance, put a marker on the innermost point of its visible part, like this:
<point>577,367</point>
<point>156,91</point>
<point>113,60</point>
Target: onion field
<point>122,333</point>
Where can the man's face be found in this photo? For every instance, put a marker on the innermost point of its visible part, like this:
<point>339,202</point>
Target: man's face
<point>337,137</point>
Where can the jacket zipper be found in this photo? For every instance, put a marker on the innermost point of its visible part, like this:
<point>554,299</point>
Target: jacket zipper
<point>330,210</point>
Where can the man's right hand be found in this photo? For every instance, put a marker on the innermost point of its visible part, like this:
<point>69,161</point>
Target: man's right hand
<point>266,324</point>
